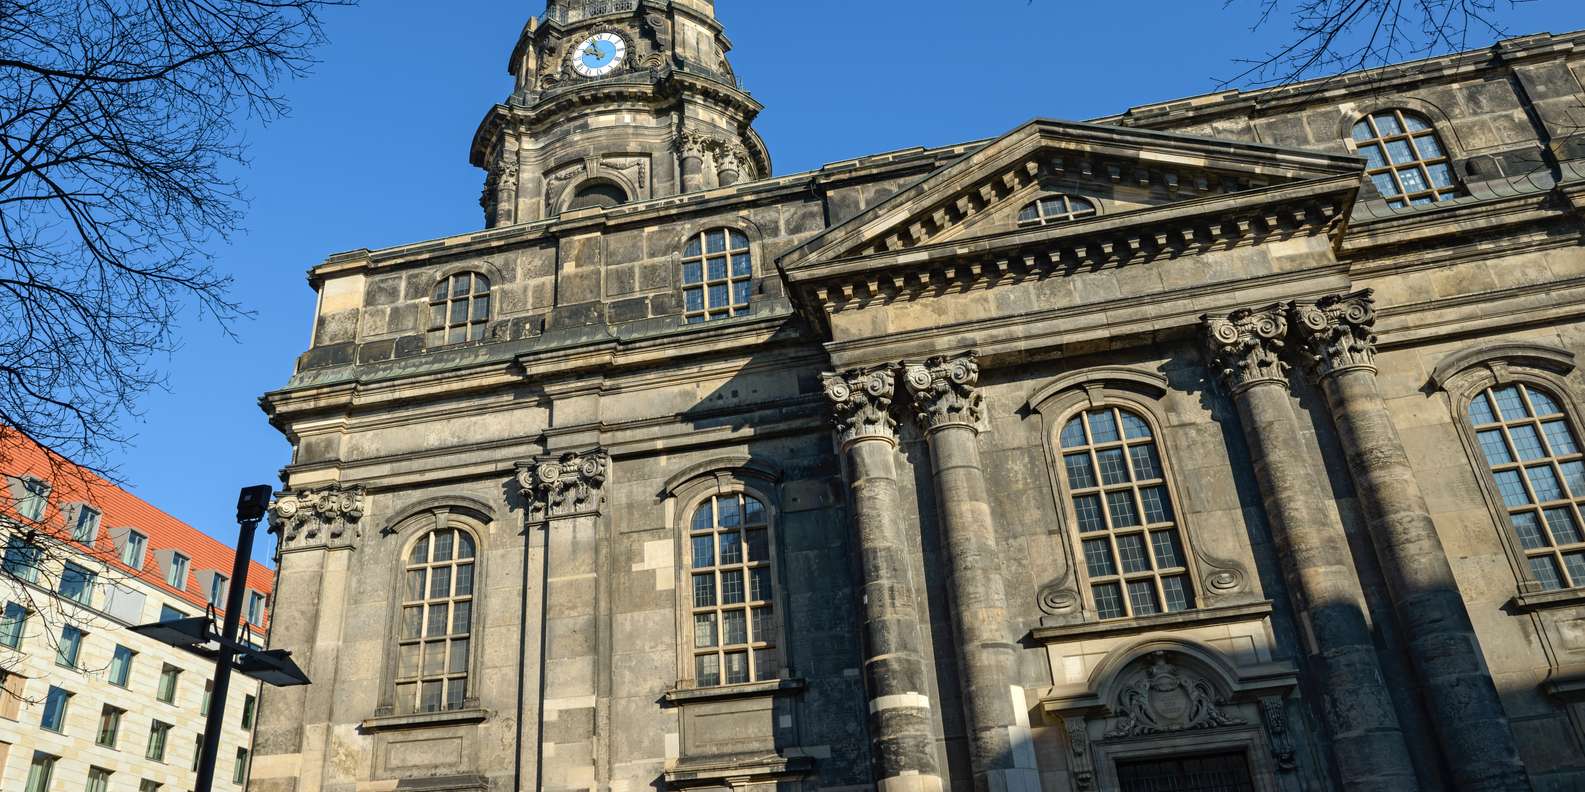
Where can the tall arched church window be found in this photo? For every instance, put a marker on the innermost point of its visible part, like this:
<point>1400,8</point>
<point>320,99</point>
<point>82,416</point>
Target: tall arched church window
<point>460,308</point>
<point>735,637</point>
<point>1055,209</point>
<point>1535,460</point>
<point>1135,558</point>
<point>1405,158</point>
<point>717,275</point>
<point>433,641</point>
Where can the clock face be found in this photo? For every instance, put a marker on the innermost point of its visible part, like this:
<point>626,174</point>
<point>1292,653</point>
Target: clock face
<point>599,55</point>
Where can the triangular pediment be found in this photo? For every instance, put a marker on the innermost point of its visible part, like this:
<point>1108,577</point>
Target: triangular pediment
<point>1119,170</point>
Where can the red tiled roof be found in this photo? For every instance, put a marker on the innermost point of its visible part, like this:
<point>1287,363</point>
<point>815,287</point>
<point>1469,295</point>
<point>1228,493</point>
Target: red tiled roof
<point>20,456</point>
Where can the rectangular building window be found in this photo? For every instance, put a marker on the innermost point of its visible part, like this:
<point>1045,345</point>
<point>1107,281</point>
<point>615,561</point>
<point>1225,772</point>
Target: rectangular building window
<point>70,648</point>
<point>159,732</point>
<point>11,690</point>
<point>86,528</point>
<point>35,496</point>
<point>177,574</point>
<point>13,620</point>
<point>239,773</point>
<point>22,559</point>
<point>121,666</point>
<point>249,703</point>
<point>135,550</point>
<point>98,780</point>
<point>169,675</point>
<point>148,786</point>
<point>168,613</point>
<point>209,690</point>
<point>109,726</point>
<point>217,591</point>
<point>42,771</point>
<point>56,703</point>
<point>255,608</point>
<point>77,584</point>
<point>198,750</point>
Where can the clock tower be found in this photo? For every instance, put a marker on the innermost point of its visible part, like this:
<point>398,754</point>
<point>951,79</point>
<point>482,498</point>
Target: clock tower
<point>616,101</point>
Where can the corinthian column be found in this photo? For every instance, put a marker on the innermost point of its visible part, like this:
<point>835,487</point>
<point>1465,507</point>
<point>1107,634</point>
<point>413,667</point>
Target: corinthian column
<point>1367,744</point>
<point>564,497</point>
<point>948,408</point>
<point>894,663</point>
<point>1468,716</point>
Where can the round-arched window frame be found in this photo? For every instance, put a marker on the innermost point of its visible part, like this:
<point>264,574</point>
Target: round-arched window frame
<point>601,193</point>
<point>1530,448</point>
<point>734,635</point>
<point>1131,542</point>
<point>459,309</point>
<point>717,275</point>
<point>1052,209</point>
<point>434,637</point>
<point>1405,158</point>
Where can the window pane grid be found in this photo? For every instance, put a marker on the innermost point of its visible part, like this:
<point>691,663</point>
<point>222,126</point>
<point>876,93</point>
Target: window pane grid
<point>1053,209</point>
<point>460,308</point>
<point>1405,158</point>
<point>1536,463</point>
<point>1116,482</point>
<point>717,275</point>
<point>735,632</point>
<point>433,641</point>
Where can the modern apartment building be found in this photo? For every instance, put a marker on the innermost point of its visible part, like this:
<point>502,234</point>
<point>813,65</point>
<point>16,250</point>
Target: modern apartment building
<point>87,704</point>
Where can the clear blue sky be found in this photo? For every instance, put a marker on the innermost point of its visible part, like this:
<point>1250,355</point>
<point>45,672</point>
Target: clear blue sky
<point>375,154</point>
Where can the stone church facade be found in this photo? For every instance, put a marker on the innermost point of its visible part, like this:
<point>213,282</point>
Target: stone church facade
<point>1231,443</point>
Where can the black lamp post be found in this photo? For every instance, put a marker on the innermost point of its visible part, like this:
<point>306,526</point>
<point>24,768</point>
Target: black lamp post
<point>196,635</point>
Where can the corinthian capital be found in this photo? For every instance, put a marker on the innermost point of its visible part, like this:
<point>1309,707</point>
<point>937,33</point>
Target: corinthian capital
<point>319,517</point>
<point>1336,332</point>
<point>861,403</point>
<point>1245,346</point>
<point>564,486</point>
<point>943,390</point>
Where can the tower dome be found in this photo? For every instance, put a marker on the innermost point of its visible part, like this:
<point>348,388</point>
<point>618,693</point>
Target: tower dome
<point>616,101</point>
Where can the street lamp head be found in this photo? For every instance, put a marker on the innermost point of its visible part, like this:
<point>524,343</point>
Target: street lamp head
<point>253,502</point>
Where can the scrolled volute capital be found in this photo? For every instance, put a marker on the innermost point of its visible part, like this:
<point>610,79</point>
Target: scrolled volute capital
<point>944,391</point>
<point>317,517</point>
<point>569,485</point>
<point>861,403</point>
<point>1245,346</point>
<point>1337,332</point>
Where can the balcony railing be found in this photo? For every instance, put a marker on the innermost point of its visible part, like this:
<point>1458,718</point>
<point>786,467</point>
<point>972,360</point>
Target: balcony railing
<point>569,11</point>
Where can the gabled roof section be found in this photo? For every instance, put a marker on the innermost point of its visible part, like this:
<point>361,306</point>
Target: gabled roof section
<point>1200,193</point>
<point>1181,166</point>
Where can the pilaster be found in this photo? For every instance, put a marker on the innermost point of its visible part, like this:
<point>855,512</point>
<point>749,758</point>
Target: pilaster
<point>564,496</point>
<point>948,404</point>
<point>902,745</point>
<point>1368,748</point>
<point>1338,342</point>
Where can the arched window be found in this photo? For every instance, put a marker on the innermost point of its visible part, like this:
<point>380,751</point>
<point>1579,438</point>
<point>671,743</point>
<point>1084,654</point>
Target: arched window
<point>460,308</point>
<point>1134,554</point>
<point>732,620</point>
<point>1055,209</point>
<point>437,620</point>
<point>1536,463</point>
<point>1404,158</point>
<point>717,275</point>
<point>603,194</point>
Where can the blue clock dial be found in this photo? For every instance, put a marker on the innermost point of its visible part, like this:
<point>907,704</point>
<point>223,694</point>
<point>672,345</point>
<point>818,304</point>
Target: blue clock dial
<point>599,55</point>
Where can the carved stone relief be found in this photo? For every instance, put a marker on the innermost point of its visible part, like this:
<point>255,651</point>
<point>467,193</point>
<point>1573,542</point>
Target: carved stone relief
<point>570,485</point>
<point>1245,346</point>
<point>1337,332</point>
<point>861,403</point>
<point>324,517</point>
<point>944,392</point>
<point>1162,697</point>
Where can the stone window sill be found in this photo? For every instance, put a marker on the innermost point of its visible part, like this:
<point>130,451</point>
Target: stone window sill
<point>1163,621</point>
<point>424,720</point>
<point>1529,602</point>
<point>767,688</point>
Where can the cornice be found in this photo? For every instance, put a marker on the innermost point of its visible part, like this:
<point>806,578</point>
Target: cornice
<point>1170,231</point>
